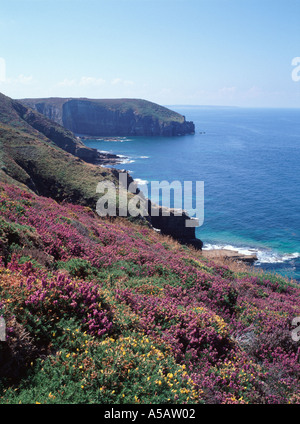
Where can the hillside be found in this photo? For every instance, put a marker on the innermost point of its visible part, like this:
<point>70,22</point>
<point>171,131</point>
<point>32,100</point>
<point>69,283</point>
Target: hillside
<point>15,114</point>
<point>47,158</point>
<point>109,311</point>
<point>112,117</point>
<point>112,312</point>
<point>40,154</point>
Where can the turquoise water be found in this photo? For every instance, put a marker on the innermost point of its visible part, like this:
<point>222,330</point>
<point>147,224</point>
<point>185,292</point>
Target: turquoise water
<point>249,162</point>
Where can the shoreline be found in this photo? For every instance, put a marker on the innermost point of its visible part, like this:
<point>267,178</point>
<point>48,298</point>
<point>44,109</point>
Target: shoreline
<point>102,157</point>
<point>232,255</point>
<point>252,259</point>
<point>111,159</point>
<point>106,159</point>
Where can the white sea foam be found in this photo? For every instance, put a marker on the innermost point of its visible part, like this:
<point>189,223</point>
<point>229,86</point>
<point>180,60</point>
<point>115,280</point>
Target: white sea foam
<point>288,257</point>
<point>113,140</point>
<point>126,160</point>
<point>140,182</point>
<point>263,256</point>
<point>144,157</point>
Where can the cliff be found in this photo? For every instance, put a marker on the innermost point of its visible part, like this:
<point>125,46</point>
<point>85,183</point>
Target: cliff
<point>47,158</point>
<point>112,117</point>
<point>171,224</point>
<point>60,136</point>
<point>40,154</point>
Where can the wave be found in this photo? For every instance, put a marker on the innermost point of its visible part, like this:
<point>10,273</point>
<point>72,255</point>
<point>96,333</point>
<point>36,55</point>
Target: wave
<point>130,160</point>
<point>113,139</point>
<point>263,256</point>
<point>126,159</point>
<point>141,182</point>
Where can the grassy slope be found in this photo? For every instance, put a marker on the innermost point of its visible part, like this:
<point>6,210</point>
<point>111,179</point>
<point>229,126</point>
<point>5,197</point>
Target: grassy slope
<point>17,115</point>
<point>111,312</point>
<point>143,108</point>
<point>30,158</point>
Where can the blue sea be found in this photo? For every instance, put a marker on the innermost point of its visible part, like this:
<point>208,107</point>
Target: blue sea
<point>249,161</point>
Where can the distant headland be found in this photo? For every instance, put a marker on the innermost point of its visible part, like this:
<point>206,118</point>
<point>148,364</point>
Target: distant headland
<point>112,117</point>
<point>40,155</point>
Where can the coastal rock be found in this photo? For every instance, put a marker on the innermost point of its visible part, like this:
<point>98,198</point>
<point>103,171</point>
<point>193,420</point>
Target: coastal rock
<point>173,223</point>
<point>112,117</point>
<point>227,254</point>
<point>175,226</point>
<point>167,221</point>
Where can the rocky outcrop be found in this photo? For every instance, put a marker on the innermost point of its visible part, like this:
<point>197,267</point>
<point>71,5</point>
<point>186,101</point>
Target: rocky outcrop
<point>113,117</point>
<point>61,137</point>
<point>170,223</point>
<point>230,255</point>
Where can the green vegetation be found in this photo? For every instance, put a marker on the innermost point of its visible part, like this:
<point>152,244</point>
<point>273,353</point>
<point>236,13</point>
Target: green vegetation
<point>30,158</point>
<point>140,107</point>
<point>109,311</point>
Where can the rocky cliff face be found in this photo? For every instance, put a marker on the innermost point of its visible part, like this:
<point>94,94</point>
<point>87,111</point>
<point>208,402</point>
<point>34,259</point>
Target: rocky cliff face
<point>175,226</point>
<point>169,221</point>
<point>40,154</point>
<point>63,138</point>
<point>104,118</point>
<point>118,117</point>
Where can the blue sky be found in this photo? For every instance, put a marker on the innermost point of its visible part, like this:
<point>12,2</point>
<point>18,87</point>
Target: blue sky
<point>197,52</point>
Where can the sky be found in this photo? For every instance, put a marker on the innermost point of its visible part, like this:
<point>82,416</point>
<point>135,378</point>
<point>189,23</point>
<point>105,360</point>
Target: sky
<point>173,52</point>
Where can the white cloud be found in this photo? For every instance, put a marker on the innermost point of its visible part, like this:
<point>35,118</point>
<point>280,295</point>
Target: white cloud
<point>227,90</point>
<point>253,92</point>
<point>83,81</point>
<point>20,79</point>
<point>117,81</point>
<point>91,81</point>
<point>67,83</point>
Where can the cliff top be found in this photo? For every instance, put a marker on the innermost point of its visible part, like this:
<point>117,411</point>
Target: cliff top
<point>139,106</point>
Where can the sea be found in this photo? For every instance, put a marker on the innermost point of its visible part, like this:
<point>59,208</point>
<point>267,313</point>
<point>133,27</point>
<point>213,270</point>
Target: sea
<point>248,160</point>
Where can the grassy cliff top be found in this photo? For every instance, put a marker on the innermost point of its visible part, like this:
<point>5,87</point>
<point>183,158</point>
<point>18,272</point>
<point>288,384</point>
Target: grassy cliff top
<point>139,106</point>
